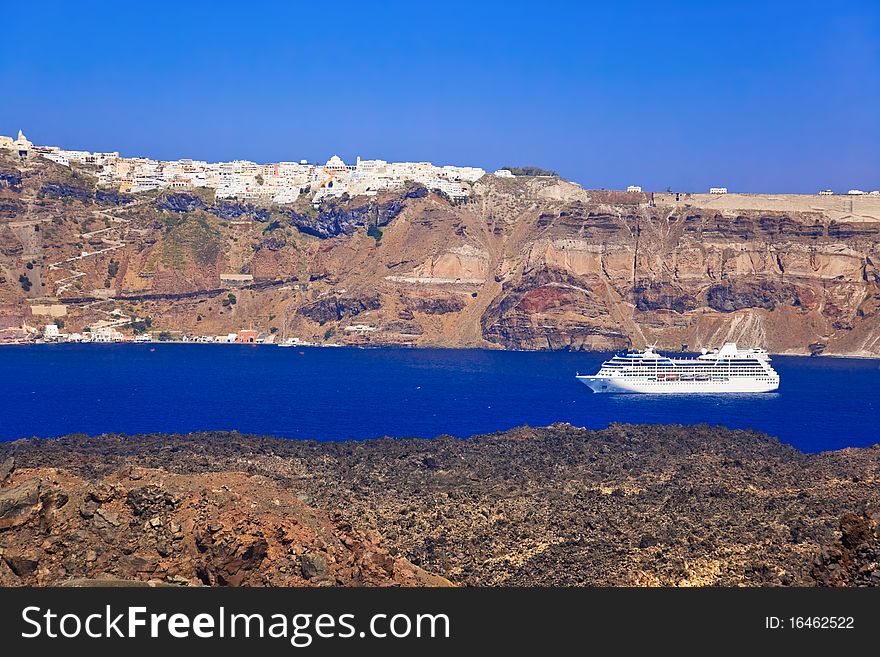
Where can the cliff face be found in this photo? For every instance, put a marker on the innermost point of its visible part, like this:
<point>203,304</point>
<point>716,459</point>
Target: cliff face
<point>529,263</point>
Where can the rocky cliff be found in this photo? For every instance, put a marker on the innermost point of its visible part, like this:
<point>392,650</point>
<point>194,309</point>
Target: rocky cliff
<point>629,505</point>
<point>525,263</point>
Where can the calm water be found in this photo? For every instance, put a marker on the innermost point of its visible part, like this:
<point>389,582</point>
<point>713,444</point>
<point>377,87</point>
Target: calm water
<point>336,393</point>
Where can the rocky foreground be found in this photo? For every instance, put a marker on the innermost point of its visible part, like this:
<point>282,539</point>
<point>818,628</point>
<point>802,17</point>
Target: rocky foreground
<point>630,505</point>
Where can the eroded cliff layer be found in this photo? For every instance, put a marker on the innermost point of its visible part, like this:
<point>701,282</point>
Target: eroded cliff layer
<point>525,263</point>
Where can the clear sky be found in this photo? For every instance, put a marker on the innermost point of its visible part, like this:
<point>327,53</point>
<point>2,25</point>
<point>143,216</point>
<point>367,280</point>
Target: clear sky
<point>756,96</point>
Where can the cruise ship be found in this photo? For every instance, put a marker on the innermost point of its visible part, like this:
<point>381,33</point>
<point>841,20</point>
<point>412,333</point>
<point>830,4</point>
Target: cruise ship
<point>728,369</point>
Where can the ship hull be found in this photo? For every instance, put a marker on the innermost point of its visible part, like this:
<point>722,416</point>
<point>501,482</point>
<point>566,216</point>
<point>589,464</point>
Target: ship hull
<point>614,384</point>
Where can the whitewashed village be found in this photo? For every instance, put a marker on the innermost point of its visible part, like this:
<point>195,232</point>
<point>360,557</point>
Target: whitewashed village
<point>279,182</point>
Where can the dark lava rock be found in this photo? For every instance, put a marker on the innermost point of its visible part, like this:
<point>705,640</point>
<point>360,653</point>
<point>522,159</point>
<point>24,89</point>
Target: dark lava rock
<point>663,296</point>
<point>63,190</point>
<point>854,558</point>
<point>21,565</point>
<point>229,558</point>
<point>333,309</point>
<point>10,179</point>
<point>112,197</point>
<point>434,305</point>
<point>647,541</point>
<point>627,505</point>
<point>312,565</point>
<point>87,508</point>
<point>855,530</point>
<point>272,244</point>
<point>180,203</point>
<point>10,208</point>
<point>228,210</point>
<point>333,220</point>
<point>343,218</point>
<point>741,294</point>
<point>148,501</point>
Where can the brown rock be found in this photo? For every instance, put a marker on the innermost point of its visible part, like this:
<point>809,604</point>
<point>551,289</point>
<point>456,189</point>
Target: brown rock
<point>21,564</point>
<point>313,565</point>
<point>19,502</point>
<point>6,468</point>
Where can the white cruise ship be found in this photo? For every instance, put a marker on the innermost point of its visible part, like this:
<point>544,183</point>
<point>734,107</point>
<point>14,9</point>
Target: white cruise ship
<point>728,369</point>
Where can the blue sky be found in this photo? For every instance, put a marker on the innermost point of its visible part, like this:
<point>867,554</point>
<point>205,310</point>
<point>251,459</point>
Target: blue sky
<point>757,96</point>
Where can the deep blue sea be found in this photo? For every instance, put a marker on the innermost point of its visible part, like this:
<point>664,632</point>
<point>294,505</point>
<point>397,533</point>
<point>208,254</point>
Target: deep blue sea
<point>337,393</point>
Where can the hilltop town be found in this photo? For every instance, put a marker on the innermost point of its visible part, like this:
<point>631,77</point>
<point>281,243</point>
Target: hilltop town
<point>279,182</point>
<point>102,248</point>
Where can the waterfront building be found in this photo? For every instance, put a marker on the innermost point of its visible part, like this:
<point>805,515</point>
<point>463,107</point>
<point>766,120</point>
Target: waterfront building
<point>247,336</point>
<point>107,334</point>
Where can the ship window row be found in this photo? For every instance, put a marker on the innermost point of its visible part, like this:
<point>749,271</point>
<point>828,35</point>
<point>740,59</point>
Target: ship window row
<point>755,370</point>
<point>734,373</point>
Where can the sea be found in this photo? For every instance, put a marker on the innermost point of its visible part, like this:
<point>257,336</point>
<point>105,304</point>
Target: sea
<point>340,393</point>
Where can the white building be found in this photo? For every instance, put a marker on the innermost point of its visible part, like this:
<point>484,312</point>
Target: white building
<point>718,190</point>
<point>826,192</point>
<point>335,163</point>
<point>634,188</point>
<point>58,158</point>
<point>51,332</point>
<point>856,192</point>
<point>375,167</point>
<point>503,173</point>
<point>22,144</point>
<point>469,174</point>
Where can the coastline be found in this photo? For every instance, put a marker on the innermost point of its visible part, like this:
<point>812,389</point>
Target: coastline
<point>857,355</point>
